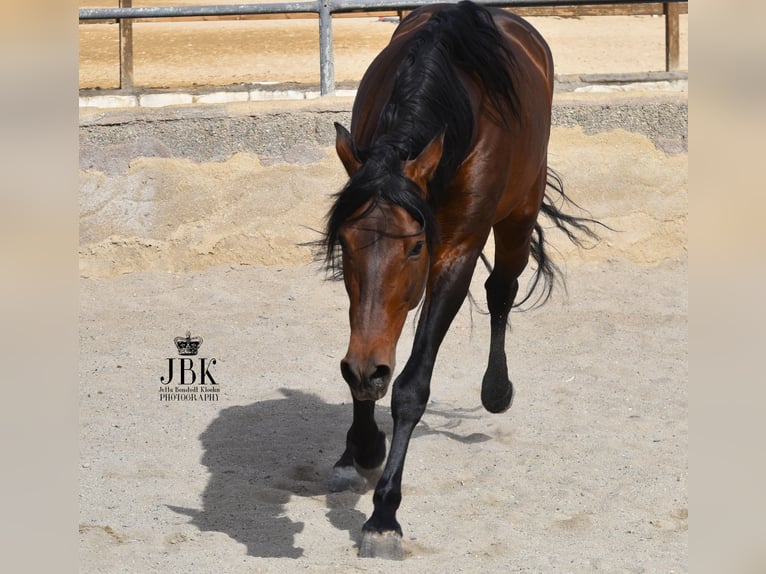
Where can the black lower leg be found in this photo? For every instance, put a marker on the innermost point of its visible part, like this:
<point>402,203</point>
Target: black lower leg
<point>365,443</point>
<point>408,403</point>
<point>382,533</point>
<point>496,387</point>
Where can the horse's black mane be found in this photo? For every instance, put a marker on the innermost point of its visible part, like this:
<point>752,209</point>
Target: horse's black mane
<point>428,98</point>
<point>428,94</point>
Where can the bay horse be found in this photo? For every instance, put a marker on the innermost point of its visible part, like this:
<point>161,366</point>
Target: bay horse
<point>448,141</point>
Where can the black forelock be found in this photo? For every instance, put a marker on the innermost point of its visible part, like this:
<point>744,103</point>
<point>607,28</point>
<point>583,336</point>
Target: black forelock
<point>378,181</point>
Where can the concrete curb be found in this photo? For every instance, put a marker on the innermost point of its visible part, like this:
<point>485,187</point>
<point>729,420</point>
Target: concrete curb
<point>165,99</point>
<point>112,99</point>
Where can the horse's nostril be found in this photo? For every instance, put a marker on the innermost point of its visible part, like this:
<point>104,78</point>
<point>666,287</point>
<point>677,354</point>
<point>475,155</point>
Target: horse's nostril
<point>380,376</point>
<point>377,377</point>
<point>347,371</point>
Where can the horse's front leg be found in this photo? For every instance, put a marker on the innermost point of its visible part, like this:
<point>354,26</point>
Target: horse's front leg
<point>365,448</point>
<point>382,533</point>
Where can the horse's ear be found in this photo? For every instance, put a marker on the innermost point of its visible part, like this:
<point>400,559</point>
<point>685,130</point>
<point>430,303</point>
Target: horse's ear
<point>346,149</point>
<point>421,169</point>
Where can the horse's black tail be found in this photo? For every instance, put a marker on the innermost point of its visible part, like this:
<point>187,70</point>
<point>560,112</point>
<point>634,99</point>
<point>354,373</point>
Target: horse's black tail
<point>577,229</point>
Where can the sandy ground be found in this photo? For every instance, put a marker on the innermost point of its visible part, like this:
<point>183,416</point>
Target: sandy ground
<point>586,473</point>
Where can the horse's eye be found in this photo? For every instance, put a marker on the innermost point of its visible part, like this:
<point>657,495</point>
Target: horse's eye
<point>416,249</point>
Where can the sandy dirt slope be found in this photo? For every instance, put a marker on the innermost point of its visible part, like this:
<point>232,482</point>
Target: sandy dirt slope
<point>179,215</point>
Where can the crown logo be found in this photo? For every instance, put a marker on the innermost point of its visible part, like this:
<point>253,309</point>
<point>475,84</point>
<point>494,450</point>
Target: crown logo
<point>188,345</point>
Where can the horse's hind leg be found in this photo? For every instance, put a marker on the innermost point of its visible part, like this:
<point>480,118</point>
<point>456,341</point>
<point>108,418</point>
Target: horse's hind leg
<point>512,237</point>
<point>365,449</point>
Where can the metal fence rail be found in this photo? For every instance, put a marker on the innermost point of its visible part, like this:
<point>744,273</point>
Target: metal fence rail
<point>125,14</point>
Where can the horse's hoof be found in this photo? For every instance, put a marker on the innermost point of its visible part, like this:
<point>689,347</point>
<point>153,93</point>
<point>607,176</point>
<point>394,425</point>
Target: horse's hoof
<point>346,478</point>
<point>386,545</point>
<point>495,402</point>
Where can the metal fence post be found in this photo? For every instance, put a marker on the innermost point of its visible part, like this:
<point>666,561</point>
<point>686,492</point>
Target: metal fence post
<point>326,55</point>
<point>126,48</point>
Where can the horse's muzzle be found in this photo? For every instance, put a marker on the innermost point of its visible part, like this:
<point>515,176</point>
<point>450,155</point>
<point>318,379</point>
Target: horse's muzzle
<point>366,384</point>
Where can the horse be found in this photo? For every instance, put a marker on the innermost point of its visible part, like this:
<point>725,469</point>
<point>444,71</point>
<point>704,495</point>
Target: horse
<point>448,142</point>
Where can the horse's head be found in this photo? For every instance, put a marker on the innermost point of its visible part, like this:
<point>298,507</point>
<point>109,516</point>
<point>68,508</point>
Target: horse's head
<point>381,222</point>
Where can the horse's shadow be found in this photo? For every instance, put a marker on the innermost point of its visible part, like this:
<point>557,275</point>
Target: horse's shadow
<point>259,455</point>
